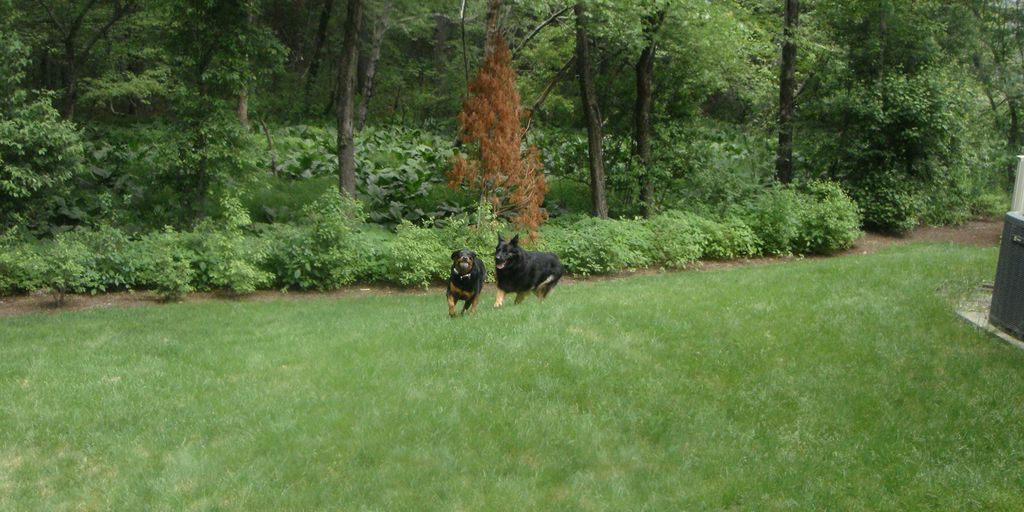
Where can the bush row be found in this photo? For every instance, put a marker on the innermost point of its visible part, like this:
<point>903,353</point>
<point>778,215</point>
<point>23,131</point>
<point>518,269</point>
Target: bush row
<point>333,247</point>
<point>819,218</point>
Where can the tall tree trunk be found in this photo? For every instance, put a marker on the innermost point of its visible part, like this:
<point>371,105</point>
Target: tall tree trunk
<point>493,15</point>
<point>69,79</point>
<point>592,115</point>
<point>1014,137</point>
<point>321,39</point>
<point>243,106</point>
<point>346,98</point>
<point>243,95</point>
<point>883,32</point>
<point>465,57</point>
<point>642,113</point>
<point>376,42</point>
<point>787,87</point>
<point>442,32</point>
<point>67,110</point>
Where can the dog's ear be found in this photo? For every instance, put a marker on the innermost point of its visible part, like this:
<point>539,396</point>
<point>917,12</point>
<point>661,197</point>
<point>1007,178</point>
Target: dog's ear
<point>501,240</point>
<point>455,254</point>
<point>515,240</point>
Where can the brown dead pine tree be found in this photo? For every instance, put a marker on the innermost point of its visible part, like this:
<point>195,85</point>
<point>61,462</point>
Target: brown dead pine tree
<point>491,132</point>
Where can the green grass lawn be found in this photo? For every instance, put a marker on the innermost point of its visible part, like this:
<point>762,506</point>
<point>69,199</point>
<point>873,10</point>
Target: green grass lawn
<point>842,384</point>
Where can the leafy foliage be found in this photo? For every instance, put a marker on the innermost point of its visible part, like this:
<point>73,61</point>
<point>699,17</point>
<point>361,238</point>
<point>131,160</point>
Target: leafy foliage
<point>395,167</point>
<point>226,258</point>
<point>727,239</point>
<point>115,258</point>
<point>817,220</point>
<point>775,217</point>
<point>66,266</point>
<point>166,264</point>
<point>20,265</point>
<point>39,152</point>
<point>890,203</point>
<point>417,256</point>
<point>830,219</point>
<point>595,246</point>
<point>325,255</point>
<point>680,239</point>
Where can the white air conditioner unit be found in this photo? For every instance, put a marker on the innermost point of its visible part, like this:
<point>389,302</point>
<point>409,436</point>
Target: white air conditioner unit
<point>1007,311</point>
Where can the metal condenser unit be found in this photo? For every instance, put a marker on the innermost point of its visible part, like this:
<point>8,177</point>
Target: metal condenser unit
<point>1007,311</point>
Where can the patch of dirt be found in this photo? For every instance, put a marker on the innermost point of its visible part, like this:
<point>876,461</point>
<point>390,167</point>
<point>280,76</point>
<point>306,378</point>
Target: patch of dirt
<point>984,233</point>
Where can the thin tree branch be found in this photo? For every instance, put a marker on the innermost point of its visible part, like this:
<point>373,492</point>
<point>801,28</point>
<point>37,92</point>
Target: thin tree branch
<point>120,11</point>
<point>547,90</point>
<point>53,18</point>
<point>77,24</point>
<point>554,17</point>
<point>465,58</point>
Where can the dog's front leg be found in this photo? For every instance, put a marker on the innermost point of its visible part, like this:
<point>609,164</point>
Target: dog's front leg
<point>451,305</point>
<point>500,300</point>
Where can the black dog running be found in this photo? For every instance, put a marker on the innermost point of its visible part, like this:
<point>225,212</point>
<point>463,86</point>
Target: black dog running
<point>466,281</point>
<point>520,271</point>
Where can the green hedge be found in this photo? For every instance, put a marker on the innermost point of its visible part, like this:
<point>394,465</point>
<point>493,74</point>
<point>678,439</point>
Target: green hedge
<point>818,218</point>
<point>334,246</point>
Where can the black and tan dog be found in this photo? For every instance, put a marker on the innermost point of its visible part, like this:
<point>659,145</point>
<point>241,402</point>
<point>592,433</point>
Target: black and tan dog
<point>466,281</point>
<point>520,271</point>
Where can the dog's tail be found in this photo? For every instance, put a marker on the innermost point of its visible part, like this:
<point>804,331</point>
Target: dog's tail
<point>545,286</point>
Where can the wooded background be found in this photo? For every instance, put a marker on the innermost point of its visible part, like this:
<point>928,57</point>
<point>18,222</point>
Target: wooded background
<point>145,113</point>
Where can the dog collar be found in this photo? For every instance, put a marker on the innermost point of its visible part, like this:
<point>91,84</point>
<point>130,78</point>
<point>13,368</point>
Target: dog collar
<point>462,276</point>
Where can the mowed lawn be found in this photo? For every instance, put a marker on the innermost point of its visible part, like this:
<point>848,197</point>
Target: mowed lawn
<point>842,384</point>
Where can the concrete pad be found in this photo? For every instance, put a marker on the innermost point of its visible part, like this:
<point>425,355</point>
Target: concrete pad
<point>975,311</point>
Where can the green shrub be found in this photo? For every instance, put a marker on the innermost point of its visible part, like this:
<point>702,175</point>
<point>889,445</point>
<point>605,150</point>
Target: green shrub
<point>417,256</point>
<point>274,199</point>
<point>372,242</point>
<point>397,165</point>
<point>20,266</point>
<point>326,253</point>
<point>565,196</point>
<point>727,239</point>
<point>304,152</point>
<point>830,220</point>
<point>889,203</point>
<point>712,165</point>
<point>67,266</point>
<point>991,204</point>
<point>115,256</point>
<point>679,238</point>
<point>564,154</point>
<point>396,168</point>
<point>595,246</point>
<point>39,151</point>
<point>227,260</point>
<point>225,257</point>
<point>775,216</point>
<point>166,263</point>
<point>949,200</point>
<point>818,219</point>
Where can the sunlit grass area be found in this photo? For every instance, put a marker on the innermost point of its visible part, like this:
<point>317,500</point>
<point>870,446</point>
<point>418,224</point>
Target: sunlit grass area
<point>844,383</point>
